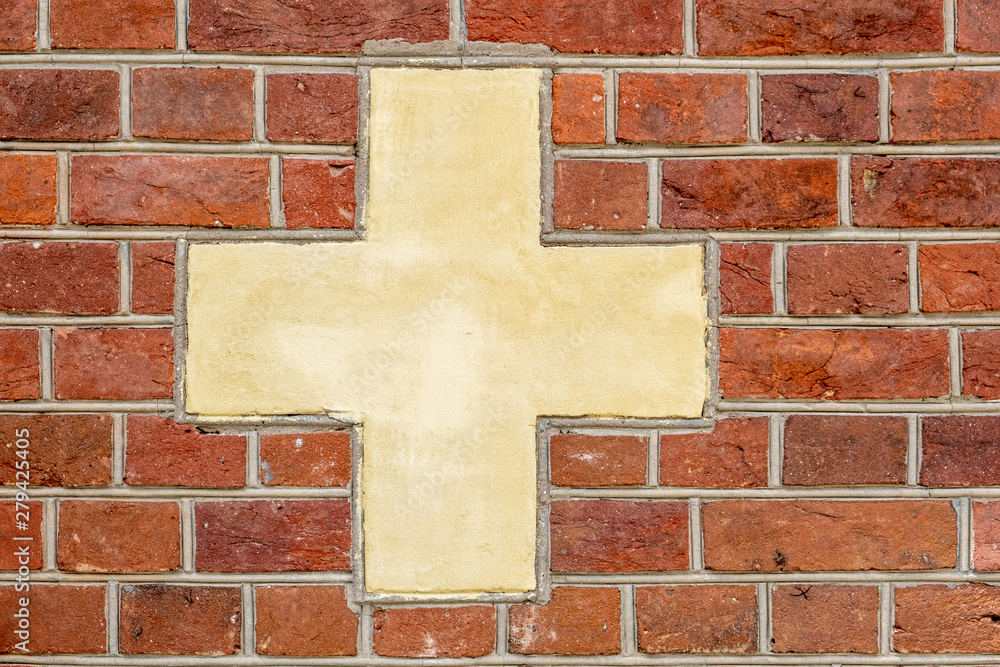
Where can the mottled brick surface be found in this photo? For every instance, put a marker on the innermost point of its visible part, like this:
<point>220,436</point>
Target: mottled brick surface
<point>959,277</point>
<point>17,25</point>
<point>978,26</point>
<point>696,619</point>
<point>435,632</point>
<point>12,535</point>
<point>597,460</point>
<point>830,450</point>
<point>71,278</point>
<point>809,618</point>
<point>305,620</point>
<point>981,364</point>
<point>745,278</point>
<point>946,619</point>
<point>59,104</point>
<point>162,452</point>
<point>819,107</point>
<point>732,455</point>
<point>193,103</point>
<point>64,450</point>
<point>312,107</point>
<point>576,621</point>
<point>682,108</point>
<point>27,189</point>
<point>960,451</point>
<point>318,193</point>
<point>153,277</point>
<point>951,105</point>
<point>986,536</point>
<point>839,278</point>
<point>180,620</point>
<point>19,372</point>
<point>306,459</point>
<point>119,536</point>
<point>108,364</point>
<point>600,195</point>
<point>578,108</point>
<point>53,630</point>
<point>123,24</point>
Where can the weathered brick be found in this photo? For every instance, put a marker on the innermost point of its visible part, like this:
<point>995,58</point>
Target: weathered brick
<point>124,24</point>
<point>53,630</point>
<point>17,25</point>
<point>642,26</point>
<point>951,105</point>
<point>771,28</point>
<point>333,26</point>
<point>925,192</point>
<point>838,278</point>
<point>162,452</point>
<point>106,536</point>
<point>597,460</point>
<point>696,619</point>
<point>682,108</point>
<point>733,455</point>
<point>273,536</point>
<point>981,364</point>
<point>600,195</point>
<point>944,618</point>
<point>959,277</point>
<point>578,108</point>
<point>978,26</point>
<point>619,536</point>
<point>64,450</point>
<point>180,620</point>
<point>435,632</point>
<point>959,450</point>
<point>108,364</point>
<point>986,535</point>
<point>833,364</point>
<point>819,107</point>
<point>30,513</point>
<point>576,621</point>
<point>745,278</point>
<point>318,108</point>
<point>198,191</point>
<point>306,459</point>
<point>19,371</point>
<point>318,193</point>
<point>72,278</point>
<point>765,194</point>
<point>831,450</point>
<point>70,104</point>
<point>823,535</point>
<point>807,618</point>
<point>305,620</point>
<point>194,103</point>
<point>153,277</point>
<point>27,189</point>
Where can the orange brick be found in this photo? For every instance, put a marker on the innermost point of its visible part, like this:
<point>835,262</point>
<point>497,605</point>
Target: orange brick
<point>105,536</point>
<point>576,621</point>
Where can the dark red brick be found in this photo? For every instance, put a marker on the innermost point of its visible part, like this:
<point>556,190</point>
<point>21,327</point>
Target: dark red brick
<point>318,193</point>
<point>59,104</point>
<point>305,620</point>
<point>682,108</point>
<point>696,619</point>
<point>273,536</point>
<point>745,278</point>
<point>435,632</point>
<point>986,536</point>
<point>64,450</point>
<point>597,460</point>
<point>960,277</point>
<point>619,536</point>
<point>19,371</point>
<point>72,278</point>
<point>52,629</point>
<point>576,621</point>
<point>17,25</point>
<point>194,103</point>
<point>27,189</point>
<point>21,535</point>
<point>733,455</point>
<point>153,277</point>
<point>981,364</point>
<point>180,620</point>
<point>306,459</point>
<point>837,364</point>
<point>108,364</point>
<point>838,278</point>
<point>318,108</point>
<point>819,107</point>
<point>600,195</point>
<point>951,105</point>
<point>578,108</point>
<point>808,618</point>
<point>832,450</point>
<point>946,618</point>
<point>765,194</point>
<point>123,24</point>
<point>960,451</point>
<point>106,536</point>
<point>978,24</point>
<point>162,452</point>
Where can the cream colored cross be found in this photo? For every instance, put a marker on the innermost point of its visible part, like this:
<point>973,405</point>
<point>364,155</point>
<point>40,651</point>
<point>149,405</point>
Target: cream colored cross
<point>448,331</point>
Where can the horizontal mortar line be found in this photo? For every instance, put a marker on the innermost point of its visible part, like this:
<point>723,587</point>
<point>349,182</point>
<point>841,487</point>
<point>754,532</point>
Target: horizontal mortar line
<point>909,577</point>
<point>859,493</point>
<point>166,234</point>
<point>877,407</point>
<point>142,407</point>
<point>7,320</point>
<point>622,423</point>
<point>177,148</point>
<point>241,494</point>
<point>811,234</point>
<point>880,321</point>
<point>780,150</point>
<point>180,577</point>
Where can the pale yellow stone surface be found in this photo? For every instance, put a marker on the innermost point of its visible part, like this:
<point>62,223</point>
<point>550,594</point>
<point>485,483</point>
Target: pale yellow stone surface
<point>448,331</point>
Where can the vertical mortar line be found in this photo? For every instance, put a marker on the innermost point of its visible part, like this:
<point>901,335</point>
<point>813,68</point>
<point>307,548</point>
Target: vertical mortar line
<point>630,637</point>
<point>274,192</point>
<point>259,105</point>
<point>367,632</point>
<point>62,188</point>
<point>778,279</point>
<point>547,152</point>
<point>253,459</point>
<point>180,324</point>
<point>248,643</point>
<point>844,190</point>
<point>653,459</point>
<point>690,28</point>
<point>964,511</point>
<point>361,150</point>
<point>885,618</point>
<point>610,106</point>
<point>950,27</point>
<point>913,271</point>
<point>694,535</point>
<point>456,23</point>
<point>615,93</point>
<point>125,277</point>
<point>181,23</point>
<point>45,365</point>
<point>775,451</point>
<point>503,627</point>
<point>912,451</point>
<point>653,185</point>
<point>44,39</point>
<point>125,102</point>
<point>763,618</point>
<point>955,360</point>
<point>884,106</point>
<point>112,615</point>
<point>753,113</point>
<point>187,535</point>
<point>118,445</point>
<point>50,523</point>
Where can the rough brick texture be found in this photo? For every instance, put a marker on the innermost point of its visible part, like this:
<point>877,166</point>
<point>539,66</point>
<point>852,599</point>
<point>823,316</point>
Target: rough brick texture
<point>27,189</point>
<point>946,619</point>
<point>745,278</point>
<point>960,277</point>
<point>819,107</point>
<point>830,450</point>
<point>162,452</point>
<point>119,536</point>
<point>306,459</point>
<point>578,109</point>
<point>17,25</point>
<point>180,620</point>
<point>53,630</point>
<point>192,103</point>
<point>14,538</point>
<point>576,621</point>
<point>435,632</point>
<point>809,618</point>
<point>863,278</point>
<point>19,372</point>
<point>978,26</point>
<point>59,104</point>
<point>305,620</point>
<point>986,530</point>
<point>600,195</point>
<point>125,24</point>
<point>114,363</point>
<point>697,619</point>
<point>72,278</point>
<point>152,278</point>
<point>981,364</point>
<point>319,108</point>
<point>952,105</point>
<point>318,193</point>
<point>960,451</point>
<point>64,450</point>
<point>733,455</point>
<point>597,460</point>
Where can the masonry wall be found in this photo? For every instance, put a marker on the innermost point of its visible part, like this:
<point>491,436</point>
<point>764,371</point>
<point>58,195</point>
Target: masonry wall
<point>838,161</point>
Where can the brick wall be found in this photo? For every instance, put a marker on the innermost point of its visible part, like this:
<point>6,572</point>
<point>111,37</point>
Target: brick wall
<point>836,160</point>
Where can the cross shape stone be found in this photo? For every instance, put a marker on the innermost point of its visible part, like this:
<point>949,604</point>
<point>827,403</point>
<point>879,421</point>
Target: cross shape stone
<point>448,331</point>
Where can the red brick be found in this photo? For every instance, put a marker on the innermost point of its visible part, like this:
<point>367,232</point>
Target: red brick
<point>823,535</point>
<point>807,618</point>
<point>978,26</point>
<point>597,460</point>
<point>64,450</point>
<point>194,103</point>
<point>153,277</point>
<point>27,189</point>
<point>107,536</point>
<point>53,630</point>
<point>619,536</point>
<point>305,620</point>
<point>945,618</point>
<point>578,108</point>
<point>766,194</point>
<point>986,535</point>
<point>72,278</point>
<point>745,278</point>
<point>733,455</point>
<point>832,450</point>
<point>838,278</point>
<point>273,536</point>
<point>180,620</point>
<point>70,104</point>
<point>771,28</point>
<point>576,621</point>
<point>318,108</point>
<point>682,108</point>
<point>124,24</point>
<point>981,364</point>
<point>925,192</point>
<point>834,364</point>
<point>696,619</point>
<point>641,26</point>
<point>952,105</point>
<point>318,193</point>
<point>960,451</point>
<point>108,364</point>
<point>170,190</point>
<point>600,195</point>
<point>960,277</point>
<point>17,551</point>
<point>17,26</point>
<point>306,459</point>
<point>272,26</point>
<point>19,377</point>
<point>161,452</point>
<point>819,107</point>
<point>435,632</point>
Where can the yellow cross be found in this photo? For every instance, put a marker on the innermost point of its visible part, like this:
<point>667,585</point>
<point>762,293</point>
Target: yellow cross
<point>448,331</point>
